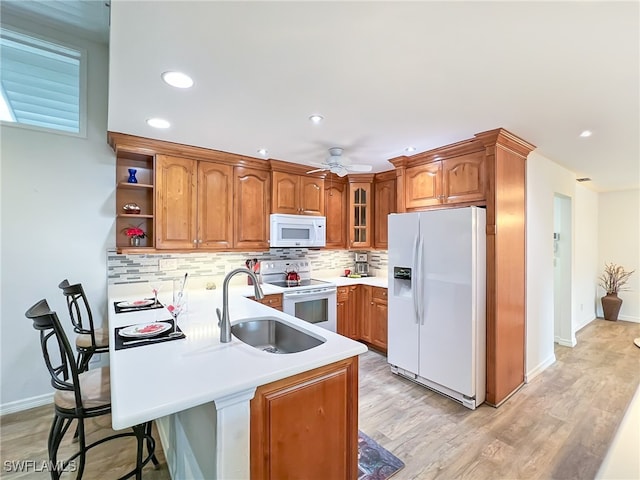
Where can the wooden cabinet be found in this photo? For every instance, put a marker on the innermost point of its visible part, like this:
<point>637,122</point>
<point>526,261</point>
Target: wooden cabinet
<point>369,306</point>
<point>252,195</point>
<point>454,180</point>
<point>195,201</point>
<point>506,157</point>
<point>273,301</point>
<point>335,208</point>
<point>360,207</point>
<point>176,200</point>
<point>306,426</point>
<point>140,193</point>
<point>215,206</point>
<point>384,190</point>
<point>366,302</point>
<point>297,194</point>
<point>348,312</point>
<point>379,317</point>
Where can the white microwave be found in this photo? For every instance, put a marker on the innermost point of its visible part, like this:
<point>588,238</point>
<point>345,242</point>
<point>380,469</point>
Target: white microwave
<point>297,230</point>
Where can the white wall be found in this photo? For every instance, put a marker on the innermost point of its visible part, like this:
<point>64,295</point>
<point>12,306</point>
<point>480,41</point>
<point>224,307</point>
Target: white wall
<point>57,213</point>
<point>545,179</point>
<point>585,254</point>
<point>619,242</point>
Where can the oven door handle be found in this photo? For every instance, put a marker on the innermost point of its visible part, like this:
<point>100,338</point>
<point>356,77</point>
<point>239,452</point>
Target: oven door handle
<point>310,292</point>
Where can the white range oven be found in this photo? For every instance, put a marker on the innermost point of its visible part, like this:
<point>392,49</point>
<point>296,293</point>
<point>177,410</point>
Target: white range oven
<point>311,300</point>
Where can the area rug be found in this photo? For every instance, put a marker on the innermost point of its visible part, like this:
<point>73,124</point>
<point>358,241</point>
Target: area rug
<point>374,461</point>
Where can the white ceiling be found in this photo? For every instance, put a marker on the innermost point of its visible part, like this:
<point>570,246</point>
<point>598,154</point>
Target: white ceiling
<point>385,75</point>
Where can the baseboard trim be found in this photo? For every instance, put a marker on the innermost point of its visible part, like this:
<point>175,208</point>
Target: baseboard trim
<point>26,404</point>
<point>629,318</point>
<point>564,342</point>
<point>531,374</point>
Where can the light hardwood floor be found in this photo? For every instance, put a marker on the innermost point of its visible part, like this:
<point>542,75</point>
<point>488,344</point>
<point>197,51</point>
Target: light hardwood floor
<point>558,426</point>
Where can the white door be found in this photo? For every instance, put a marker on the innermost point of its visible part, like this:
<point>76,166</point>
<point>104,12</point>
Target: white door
<point>447,338</point>
<point>402,338</point>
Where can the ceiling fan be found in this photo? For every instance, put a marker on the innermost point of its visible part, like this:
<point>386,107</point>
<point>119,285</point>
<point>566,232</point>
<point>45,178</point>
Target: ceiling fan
<point>339,165</point>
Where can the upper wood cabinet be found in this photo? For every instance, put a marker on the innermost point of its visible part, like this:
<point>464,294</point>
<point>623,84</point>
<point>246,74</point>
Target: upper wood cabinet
<point>360,207</point>
<point>252,192</point>
<point>215,206</point>
<point>297,194</point>
<point>335,208</point>
<point>194,202</point>
<point>454,180</point>
<point>385,199</point>
<point>176,201</point>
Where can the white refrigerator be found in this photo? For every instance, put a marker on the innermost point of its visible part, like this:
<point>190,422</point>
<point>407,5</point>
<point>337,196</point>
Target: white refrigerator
<point>437,286</point>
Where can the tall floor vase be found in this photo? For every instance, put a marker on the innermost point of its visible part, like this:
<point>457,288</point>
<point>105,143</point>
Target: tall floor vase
<point>611,304</point>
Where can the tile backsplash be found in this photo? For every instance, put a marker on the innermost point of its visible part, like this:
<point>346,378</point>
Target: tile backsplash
<point>214,266</point>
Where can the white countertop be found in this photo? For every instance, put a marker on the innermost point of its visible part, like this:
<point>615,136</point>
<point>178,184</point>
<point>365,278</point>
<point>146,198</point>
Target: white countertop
<point>345,281</point>
<point>155,380</point>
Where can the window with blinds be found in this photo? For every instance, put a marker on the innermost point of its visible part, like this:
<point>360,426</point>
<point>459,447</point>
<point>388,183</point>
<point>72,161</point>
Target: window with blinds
<point>41,83</point>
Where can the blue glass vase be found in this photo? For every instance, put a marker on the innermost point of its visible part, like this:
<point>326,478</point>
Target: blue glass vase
<point>132,176</point>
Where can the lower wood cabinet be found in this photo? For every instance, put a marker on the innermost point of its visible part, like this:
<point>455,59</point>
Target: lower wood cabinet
<point>273,301</point>
<point>306,426</point>
<point>363,315</point>
<point>348,313</point>
<point>378,315</point>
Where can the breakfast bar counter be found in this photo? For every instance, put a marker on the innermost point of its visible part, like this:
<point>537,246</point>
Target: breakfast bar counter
<point>197,388</point>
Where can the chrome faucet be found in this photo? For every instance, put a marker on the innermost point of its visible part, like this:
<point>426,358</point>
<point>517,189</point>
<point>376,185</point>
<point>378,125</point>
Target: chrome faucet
<point>224,322</point>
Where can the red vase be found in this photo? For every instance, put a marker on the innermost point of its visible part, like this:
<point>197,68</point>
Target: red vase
<point>611,304</point>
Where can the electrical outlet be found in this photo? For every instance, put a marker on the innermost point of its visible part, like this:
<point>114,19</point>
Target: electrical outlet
<point>166,264</point>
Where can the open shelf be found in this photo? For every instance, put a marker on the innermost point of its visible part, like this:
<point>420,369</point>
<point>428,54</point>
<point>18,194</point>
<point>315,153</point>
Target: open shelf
<point>141,193</point>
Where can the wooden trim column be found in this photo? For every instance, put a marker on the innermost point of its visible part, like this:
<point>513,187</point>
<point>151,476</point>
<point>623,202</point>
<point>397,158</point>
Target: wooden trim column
<point>505,156</point>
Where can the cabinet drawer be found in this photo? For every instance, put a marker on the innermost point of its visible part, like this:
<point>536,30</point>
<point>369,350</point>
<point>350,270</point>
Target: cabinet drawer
<point>379,293</point>
<point>273,300</point>
<point>343,294</point>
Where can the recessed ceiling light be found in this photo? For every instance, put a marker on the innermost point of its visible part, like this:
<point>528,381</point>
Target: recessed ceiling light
<point>177,79</point>
<point>586,133</point>
<point>263,152</point>
<point>158,123</point>
<point>316,118</point>
<point>410,149</point>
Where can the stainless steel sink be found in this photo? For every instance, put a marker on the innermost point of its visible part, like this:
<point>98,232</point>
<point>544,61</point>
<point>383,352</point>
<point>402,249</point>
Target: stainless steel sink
<point>272,335</point>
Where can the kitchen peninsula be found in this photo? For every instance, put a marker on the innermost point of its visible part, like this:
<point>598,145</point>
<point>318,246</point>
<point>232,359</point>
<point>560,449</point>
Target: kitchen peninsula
<point>218,406</point>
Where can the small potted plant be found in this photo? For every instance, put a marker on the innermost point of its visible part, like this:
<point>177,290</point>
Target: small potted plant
<point>612,281</point>
<point>134,234</point>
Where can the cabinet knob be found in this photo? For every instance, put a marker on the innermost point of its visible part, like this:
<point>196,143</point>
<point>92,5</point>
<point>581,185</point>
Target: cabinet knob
<point>371,303</point>
<point>195,241</point>
<point>199,241</point>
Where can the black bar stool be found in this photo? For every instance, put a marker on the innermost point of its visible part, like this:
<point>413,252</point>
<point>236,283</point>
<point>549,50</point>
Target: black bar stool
<point>79,395</point>
<point>89,340</point>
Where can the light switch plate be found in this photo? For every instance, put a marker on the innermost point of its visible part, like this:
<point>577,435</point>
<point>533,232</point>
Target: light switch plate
<point>166,264</point>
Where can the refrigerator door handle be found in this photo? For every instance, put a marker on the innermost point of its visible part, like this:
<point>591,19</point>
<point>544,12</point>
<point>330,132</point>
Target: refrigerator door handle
<point>420,271</point>
<point>416,281</point>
